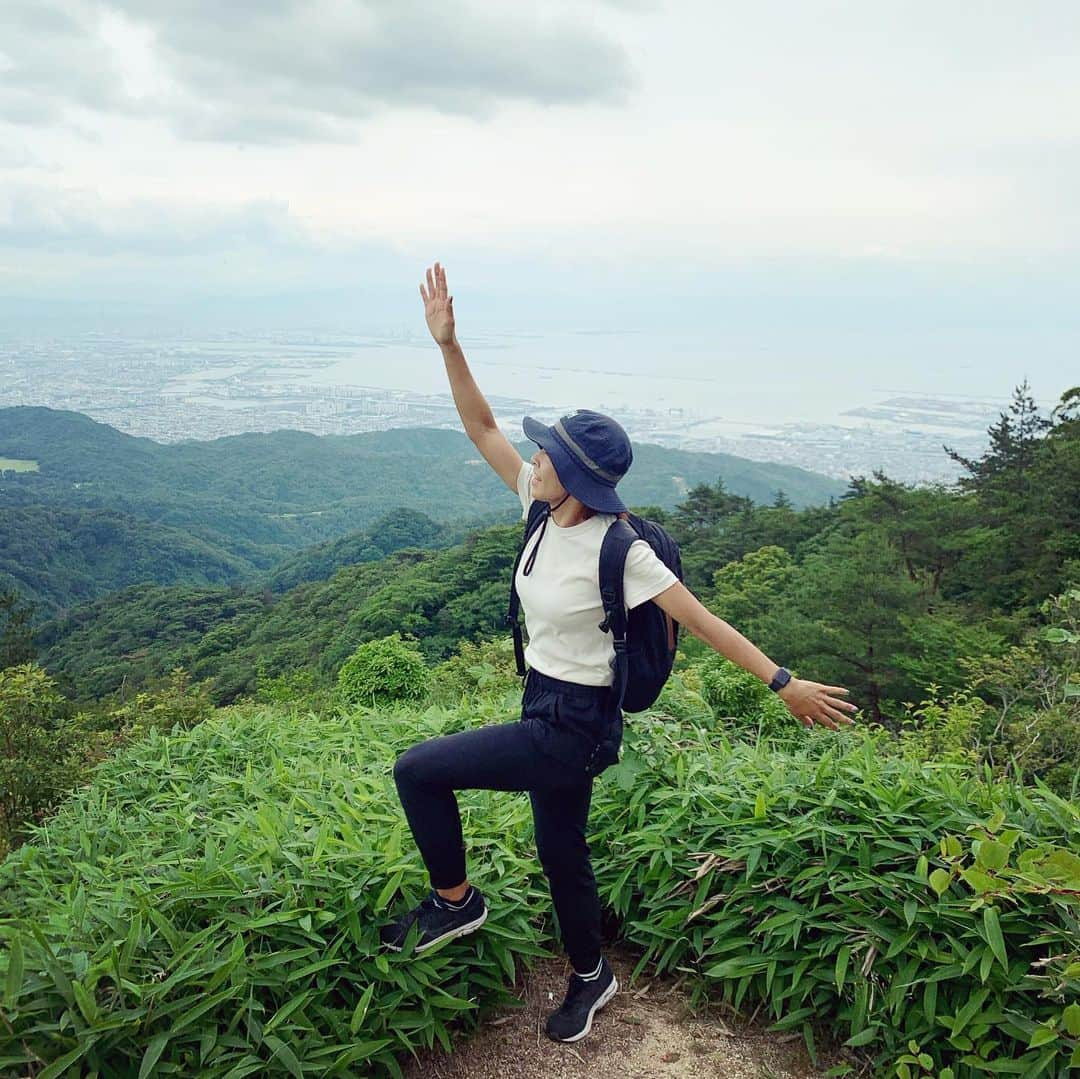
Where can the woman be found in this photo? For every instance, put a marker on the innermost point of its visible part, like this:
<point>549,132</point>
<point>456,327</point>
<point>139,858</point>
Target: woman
<point>567,708</point>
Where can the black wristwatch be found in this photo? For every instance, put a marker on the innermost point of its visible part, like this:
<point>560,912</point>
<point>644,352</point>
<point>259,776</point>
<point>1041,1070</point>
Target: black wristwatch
<point>780,679</point>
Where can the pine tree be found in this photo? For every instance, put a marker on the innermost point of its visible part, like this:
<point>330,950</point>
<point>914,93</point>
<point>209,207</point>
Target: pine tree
<point>1003,473</point>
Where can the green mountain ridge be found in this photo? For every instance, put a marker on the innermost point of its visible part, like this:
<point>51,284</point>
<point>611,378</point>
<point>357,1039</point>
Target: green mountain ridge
<point>106,510</point>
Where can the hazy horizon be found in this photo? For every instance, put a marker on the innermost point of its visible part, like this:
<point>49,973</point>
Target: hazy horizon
<point>857,195</point>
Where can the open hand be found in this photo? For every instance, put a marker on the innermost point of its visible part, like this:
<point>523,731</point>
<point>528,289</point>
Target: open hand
<point>811,702</point>
<point>438,306</point>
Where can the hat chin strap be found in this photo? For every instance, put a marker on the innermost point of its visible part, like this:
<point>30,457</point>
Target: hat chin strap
<point>589,511</point>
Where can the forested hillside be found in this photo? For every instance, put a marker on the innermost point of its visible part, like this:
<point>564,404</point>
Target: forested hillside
<point>254,850</point>
<point>104,510</point>
<point>892,590</point>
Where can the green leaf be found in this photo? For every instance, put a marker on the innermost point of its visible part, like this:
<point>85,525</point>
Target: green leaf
<point>864,1037</point>
<point>58,1067</point>
<point>153,1052</point>
<point>979,881</point>
<point>87,1003</point>
<point>1071,1018</point>
<point>759,805</point>
<point>911,908</point>
<point>939,881</point>
<point>286,1055</point>
<point>14,980</point>
<point>388,890</point>
<point>361,1009</point>
<point>842,957</point>
<point>287,1009</point>
<point>1043,1036</point>
<point>992,854</point>
<point>993,934</point>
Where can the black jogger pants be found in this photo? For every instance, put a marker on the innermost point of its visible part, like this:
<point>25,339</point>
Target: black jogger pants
<point>566,735</point>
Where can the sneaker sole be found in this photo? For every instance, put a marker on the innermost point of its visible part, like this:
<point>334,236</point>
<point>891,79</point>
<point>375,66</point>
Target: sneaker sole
<point>600,1002</point>
<point>460,931</point>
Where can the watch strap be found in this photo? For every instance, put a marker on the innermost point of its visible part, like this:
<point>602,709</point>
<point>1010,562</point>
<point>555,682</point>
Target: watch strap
<point>780,679</point>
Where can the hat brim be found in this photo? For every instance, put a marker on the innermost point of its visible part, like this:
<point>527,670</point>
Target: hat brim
<point>579,482</point>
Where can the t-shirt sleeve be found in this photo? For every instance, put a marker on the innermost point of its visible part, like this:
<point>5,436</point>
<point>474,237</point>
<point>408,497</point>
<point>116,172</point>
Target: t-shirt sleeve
<point>644,575</point>
<point>524,476</point>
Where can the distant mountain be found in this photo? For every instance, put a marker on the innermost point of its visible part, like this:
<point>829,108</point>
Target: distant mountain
<point>59,557</point>
<point>297,488</point>
<point>104,509</point>
<point>225,635</point>
<point>394,532</point>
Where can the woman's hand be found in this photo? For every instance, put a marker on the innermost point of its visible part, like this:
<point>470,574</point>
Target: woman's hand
<point>811,702</point>
<point>438,306</point>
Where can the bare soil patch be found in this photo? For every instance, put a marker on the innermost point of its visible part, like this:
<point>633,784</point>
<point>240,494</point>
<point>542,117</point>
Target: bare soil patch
<point>647,1031</point>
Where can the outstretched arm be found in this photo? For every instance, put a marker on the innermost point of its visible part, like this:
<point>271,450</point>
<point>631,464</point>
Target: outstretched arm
<point>471,404</point>
<point>808,702</point>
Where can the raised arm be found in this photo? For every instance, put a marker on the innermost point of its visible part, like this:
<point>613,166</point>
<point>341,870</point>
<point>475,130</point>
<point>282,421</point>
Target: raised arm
<point>472,407</point>
<point>808,702</point>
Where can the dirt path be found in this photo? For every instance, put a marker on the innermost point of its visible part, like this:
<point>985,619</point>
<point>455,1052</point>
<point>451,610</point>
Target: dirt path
<point>646,1032</point>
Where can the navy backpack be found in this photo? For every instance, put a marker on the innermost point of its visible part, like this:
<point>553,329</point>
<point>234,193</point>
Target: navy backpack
<point>645,639</point>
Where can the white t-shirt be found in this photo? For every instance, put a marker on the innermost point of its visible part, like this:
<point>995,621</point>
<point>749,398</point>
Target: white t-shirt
<point>561,596</point>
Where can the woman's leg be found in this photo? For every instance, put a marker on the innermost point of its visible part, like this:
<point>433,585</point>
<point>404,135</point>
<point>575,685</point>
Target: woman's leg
<point>500,757</point>
<point>560,820</point>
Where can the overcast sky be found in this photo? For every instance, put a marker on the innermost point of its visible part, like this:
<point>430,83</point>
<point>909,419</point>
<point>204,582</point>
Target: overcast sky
<point>910,159</point>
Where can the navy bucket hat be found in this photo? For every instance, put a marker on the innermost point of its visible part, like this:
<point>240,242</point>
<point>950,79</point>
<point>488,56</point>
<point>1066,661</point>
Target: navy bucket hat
<point>590,453</point>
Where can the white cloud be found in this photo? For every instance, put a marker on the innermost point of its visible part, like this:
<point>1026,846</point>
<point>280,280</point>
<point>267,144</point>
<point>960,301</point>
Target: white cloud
<point>595,136</point>
<point>290,70</point>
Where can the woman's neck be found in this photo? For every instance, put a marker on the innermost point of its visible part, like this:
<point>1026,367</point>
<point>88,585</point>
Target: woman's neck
<point>571,512</point>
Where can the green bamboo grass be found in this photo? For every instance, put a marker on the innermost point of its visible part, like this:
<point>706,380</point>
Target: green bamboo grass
<point>210,905</point>
<point>806,881</point>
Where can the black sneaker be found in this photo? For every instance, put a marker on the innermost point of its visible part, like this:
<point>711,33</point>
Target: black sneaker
<point>583,999</point>
<point>436,921</point>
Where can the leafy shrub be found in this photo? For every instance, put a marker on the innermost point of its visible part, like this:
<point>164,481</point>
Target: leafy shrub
<point>744,705</point>
<point>287,687</point>
<point>210,906</point>
<point>478,667</point>
<point>682,696</point>
<point>384,671</point>
<point>34,746</point>
<point>949,731</point>
<point>807,882</point>
<point>250,860</point>
<point>938,646</point>
<point>171,702</point>
<point>1035,689</point>
<point>743,590</point>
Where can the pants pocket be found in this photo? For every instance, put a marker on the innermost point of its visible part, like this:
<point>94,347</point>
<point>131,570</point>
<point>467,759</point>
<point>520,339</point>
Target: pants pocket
<point>595,733</point>
<point>606,751</point>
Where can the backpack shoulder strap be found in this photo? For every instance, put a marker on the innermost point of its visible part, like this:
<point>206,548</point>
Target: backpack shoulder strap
<point>613,552</point>
<point>538,511</point>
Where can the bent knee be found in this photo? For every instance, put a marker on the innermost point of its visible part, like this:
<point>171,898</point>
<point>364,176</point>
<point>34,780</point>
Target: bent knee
<point>408,768</point>
<point>414,765</point>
